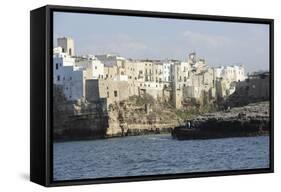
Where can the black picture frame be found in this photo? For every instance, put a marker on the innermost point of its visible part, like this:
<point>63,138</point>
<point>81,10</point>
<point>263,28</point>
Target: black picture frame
<point>41,42</point>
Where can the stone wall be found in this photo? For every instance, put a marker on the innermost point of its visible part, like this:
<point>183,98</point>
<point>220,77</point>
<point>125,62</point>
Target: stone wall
<point>113,91</point>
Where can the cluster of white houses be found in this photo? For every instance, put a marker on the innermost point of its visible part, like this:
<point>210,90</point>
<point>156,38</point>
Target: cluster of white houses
<point>115,78</point>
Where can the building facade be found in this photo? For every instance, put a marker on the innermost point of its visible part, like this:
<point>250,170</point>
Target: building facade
<point>115,78</point>
<point>67,45</point>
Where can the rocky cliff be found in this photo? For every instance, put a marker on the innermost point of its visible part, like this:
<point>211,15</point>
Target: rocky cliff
<point>144,115</point>
<point>139,116</point>
<point>135,116</point>
<point>249,120</point>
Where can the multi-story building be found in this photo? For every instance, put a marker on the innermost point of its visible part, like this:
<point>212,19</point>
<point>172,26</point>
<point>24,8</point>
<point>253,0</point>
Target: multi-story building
<point>158,72</point>
<point>94,66</point>
<point>167,71</point>
<point>231,73</point>
<point>226,76</point>
<point>115,78</point>
<point>66,75</point>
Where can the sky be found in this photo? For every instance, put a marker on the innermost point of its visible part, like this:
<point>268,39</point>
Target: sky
<point>219,43</point>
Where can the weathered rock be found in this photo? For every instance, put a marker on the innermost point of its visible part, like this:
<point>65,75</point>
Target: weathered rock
<point>249,120</point>
<point>128,119</point>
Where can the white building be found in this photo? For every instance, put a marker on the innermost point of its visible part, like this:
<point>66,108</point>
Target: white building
<point>174,79</point>
<point>232,73</point>
<point>167,71</point>
<point>109,60</point>
<point>91,63</point>
<point>71,78</point>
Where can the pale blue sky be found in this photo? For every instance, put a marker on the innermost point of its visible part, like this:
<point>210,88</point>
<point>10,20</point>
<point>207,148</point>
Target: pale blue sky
<point>220,43</point>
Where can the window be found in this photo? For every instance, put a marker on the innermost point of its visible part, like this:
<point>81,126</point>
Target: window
<point>58,78</point>
<point>70,51</point>
<point>57,66</point>
<point>107,94</point>
<point>95,67</point>
<point>115,93</point>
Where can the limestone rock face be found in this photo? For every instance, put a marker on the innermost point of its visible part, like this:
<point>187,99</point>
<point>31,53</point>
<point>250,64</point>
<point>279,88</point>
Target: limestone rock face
<point>129,118</point>
<point>76,121</point>
<point>135,116</point>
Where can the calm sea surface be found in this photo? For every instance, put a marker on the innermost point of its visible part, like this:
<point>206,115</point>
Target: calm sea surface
<point>156,154</point>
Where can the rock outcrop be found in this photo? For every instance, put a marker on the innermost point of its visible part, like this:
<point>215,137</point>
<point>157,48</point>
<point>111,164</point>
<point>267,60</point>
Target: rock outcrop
<point>250,120</point>
<point>136,116</point>
<point>131,117</point>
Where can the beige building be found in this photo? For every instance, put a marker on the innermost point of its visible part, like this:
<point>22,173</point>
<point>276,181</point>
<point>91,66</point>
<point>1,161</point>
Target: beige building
<point>115,78</point>
<point>111,90</point>
<point>67,45</point>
